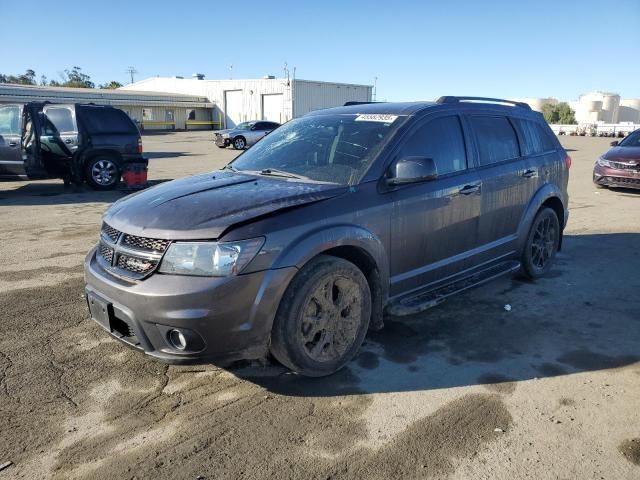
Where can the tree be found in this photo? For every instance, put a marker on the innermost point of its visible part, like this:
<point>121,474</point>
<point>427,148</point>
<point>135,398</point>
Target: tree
<point>74,78</point>
<point>111,85</point>
<point>27,78</point>
<point>560,113</point>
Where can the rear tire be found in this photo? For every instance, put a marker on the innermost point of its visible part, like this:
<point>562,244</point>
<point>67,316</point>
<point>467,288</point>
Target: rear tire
<point>542,244</point>
<point>323,317</point>
<point>102,173</point>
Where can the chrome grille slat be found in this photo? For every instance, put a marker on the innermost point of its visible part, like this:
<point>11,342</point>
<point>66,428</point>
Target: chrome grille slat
<point>106,252</point>
<point>110,232</point>
<point>155,245</point>
<point>129,256</point>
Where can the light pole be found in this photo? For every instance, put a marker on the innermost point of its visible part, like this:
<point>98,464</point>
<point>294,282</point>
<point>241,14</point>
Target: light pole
<point>375,88</point>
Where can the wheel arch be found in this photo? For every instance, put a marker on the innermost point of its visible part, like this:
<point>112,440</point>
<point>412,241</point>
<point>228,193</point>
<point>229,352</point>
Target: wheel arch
<point>547,196</point>
<point>354,244</point>
<point>90,155</point>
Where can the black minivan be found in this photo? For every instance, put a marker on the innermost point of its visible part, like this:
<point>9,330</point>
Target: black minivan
<point>298,246</point>
<point>75,142</point>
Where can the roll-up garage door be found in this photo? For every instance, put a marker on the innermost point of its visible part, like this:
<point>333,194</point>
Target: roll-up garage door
<point>272,106</point>
<point>233,107</point>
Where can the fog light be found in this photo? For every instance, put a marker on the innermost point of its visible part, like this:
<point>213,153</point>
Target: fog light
<point>177,339</point>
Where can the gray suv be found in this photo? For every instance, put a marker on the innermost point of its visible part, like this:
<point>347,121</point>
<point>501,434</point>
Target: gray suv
<point>244,134</point>
<point>298,246</point>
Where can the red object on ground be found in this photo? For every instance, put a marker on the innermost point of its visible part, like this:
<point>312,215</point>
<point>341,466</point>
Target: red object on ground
<point>135,175</point>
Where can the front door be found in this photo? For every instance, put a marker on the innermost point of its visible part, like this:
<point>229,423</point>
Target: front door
<point>435,224</point>
<point>11,161</point>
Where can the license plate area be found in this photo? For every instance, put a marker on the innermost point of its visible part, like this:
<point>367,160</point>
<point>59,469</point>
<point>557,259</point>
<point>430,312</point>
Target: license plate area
<point>100,310</point>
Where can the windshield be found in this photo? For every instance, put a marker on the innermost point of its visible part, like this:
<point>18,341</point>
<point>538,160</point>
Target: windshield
<point>324,148</point>
<point>631,140</point>
<point>244,126</point>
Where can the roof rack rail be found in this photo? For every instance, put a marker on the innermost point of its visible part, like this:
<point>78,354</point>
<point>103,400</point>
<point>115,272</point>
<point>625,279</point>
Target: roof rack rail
<point>352,103</point>
<point>452,99</point>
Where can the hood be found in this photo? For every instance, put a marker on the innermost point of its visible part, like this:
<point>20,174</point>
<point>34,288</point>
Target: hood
<point>624,154</point>
<point>205,206</point>
<point>226,130</point>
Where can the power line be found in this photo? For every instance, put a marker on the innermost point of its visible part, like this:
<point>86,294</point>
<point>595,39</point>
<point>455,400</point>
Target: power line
<point>131,71</point>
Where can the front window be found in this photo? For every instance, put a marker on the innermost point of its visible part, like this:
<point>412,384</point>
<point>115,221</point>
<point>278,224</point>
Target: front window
<point>631,140</point>
<point>323,148</point>
<point>244,126</point>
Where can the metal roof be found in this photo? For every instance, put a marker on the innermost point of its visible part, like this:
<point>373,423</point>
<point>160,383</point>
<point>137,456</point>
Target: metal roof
<point>28,93</point>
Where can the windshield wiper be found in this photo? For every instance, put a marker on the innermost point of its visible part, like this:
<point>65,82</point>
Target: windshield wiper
<point>280,173</point>
<point>230,167</point>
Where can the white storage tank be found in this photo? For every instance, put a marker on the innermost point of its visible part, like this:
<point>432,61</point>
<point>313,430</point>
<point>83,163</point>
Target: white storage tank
<point>629,110</point>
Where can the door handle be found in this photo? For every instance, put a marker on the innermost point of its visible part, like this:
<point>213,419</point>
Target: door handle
<point>13,144</point>
<point>530,173</point>
<point>469,189</point>
<point>68,141</point>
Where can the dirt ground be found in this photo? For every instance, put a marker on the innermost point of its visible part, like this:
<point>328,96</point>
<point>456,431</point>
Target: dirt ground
<point>549,389</point>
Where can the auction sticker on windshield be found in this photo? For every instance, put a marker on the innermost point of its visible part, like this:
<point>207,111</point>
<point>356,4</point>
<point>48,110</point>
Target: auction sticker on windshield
<point>376,117</point>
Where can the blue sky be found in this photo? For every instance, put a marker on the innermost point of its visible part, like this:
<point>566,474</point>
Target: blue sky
<point>418,50</point>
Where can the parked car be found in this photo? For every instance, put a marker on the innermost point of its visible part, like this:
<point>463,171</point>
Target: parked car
<point>299,245</point>
<point>75,142</point>
<point>620,166</point>
<point>244,134</point>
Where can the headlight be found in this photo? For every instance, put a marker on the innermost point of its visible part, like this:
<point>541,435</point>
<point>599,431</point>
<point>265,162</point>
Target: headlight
<point>209,259</point>
<point>604,163</point>
<point>225,135</point>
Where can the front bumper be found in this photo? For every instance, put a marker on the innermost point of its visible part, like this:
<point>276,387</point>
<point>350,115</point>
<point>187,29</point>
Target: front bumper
<point>221,141</point>
<point>225,319</point>
<point>611,177</point>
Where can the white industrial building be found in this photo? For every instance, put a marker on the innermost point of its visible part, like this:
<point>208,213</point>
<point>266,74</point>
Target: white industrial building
<point>269,98</point>
<point>150,110</point>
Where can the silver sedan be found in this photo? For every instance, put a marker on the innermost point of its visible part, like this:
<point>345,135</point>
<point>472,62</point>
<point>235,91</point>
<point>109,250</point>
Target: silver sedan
<point>244,134</point>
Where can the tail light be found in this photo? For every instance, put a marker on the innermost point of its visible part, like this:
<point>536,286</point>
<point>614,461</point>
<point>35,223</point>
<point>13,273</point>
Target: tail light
<point>139,145</point>
<point>567,162</point>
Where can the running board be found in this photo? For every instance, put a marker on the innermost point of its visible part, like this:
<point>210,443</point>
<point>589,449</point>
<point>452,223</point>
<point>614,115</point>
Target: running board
<point>420,301</point>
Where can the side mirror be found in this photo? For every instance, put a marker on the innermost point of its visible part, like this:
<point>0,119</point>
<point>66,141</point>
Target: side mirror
<point>253,128</point>
<point>412,170</point>
<point>614,143</point>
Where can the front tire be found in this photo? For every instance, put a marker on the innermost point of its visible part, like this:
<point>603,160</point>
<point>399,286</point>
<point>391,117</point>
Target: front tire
<point>542,244</point>
<point>102,173</point>
<point>323,317</point>
<point>239,143</point>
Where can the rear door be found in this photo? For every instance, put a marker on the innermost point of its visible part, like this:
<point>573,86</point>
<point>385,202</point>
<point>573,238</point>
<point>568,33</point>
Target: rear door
<point>434,227</point>
<point>505,182</point>
<point>11,161</point>
<point>60,132</point>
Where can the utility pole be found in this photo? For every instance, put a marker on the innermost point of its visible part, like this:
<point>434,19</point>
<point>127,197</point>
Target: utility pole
<point>375,88</point>
<point>131,71</point>
<point>231,72</point>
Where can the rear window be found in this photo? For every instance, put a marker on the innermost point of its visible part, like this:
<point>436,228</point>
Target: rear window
<point>535,138</point>
<point>61,119</point>
<point>108,120</point>
<point>496,139</point>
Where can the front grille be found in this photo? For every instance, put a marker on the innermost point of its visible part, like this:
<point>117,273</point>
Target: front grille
<point>625,166</point>
<point>122,327</point>
<point>129,255</point>
<point>110,232</point>
<point>151,244</point>
<point>135,265</point>
<point>626,181</point>
<point>106,252</point>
